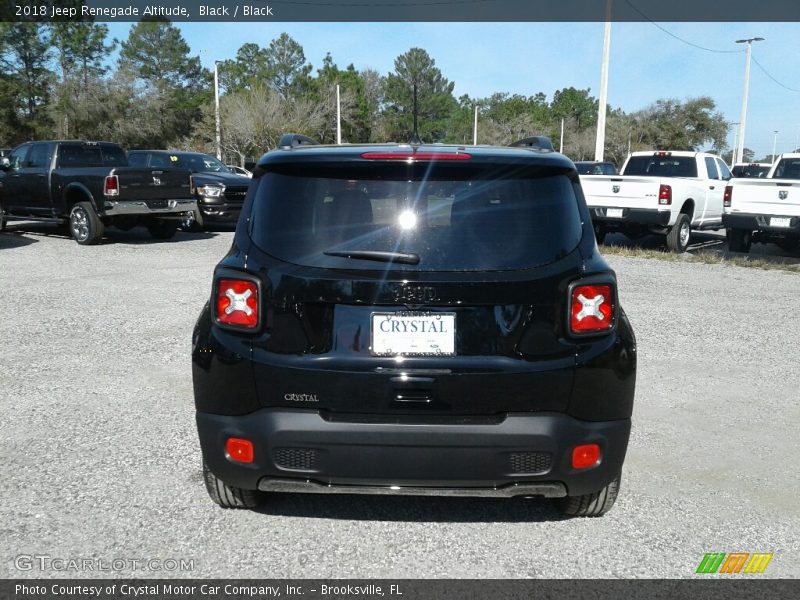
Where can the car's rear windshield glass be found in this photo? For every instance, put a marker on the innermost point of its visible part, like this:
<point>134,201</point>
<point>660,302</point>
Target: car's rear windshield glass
<point>451,219</point>
<point>90,155</point>
<point>662,166</point>
<point>749,171</point>
<point>788,168</point>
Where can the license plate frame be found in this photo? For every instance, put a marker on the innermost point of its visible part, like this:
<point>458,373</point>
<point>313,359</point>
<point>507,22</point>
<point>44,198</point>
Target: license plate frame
<point>614,213</point>
<point>416,343</point>
<point>780,222</point>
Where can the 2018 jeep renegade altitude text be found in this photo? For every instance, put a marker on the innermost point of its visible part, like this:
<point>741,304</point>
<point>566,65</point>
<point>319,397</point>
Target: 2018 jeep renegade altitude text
<point>414,319</point>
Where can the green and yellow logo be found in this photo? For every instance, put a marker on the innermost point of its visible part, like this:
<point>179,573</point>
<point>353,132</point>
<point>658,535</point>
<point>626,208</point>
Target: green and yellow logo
<point>734,562</point>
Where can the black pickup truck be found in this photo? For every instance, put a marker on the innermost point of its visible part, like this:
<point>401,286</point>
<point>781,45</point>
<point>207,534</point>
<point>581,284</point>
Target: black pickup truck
<point>89,186</point>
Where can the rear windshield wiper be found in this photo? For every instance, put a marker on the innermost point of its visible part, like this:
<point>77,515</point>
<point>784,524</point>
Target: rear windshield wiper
<point>389,257</point>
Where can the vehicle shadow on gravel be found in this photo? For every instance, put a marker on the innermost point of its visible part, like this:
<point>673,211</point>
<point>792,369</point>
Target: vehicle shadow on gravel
<point>133,237</point>
<point>13,239</point>
<point>419,509</point>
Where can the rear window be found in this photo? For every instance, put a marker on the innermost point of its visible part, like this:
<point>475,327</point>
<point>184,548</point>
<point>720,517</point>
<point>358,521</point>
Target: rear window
<point>662,166</point>
<point>750,171</point>
<point>788,168</point>
<point>90,155</point>
<point>453,219</point>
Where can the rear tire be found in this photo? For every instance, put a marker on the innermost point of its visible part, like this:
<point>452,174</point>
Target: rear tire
<point>591,505</point>
<point>600,233</point>
<point>739,240</point>
<point>85,226</point>
<point>162,230</point>
<point>2,218</point>
<point>678,237</point>
<point>227,496</point>
<point>788,244</point>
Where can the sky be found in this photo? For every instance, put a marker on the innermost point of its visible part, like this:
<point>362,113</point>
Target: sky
<point>646,62</point>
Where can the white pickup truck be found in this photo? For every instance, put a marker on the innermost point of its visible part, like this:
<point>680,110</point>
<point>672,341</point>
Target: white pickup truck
<point>666,193</point>
<point>765,209</point>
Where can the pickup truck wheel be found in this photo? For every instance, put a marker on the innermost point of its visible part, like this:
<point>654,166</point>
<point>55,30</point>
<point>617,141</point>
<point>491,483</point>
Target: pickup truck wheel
<point>85,226</point>
<point>600,233</point>
<point>739,240</point>
<point>788,244</point>
<point>2,218</point>
<point>678,236</point>
<point>162,230</point>
<point>591,505</point>
<point>227,496</point>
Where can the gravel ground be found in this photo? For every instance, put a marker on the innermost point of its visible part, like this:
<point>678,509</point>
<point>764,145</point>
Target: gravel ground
<point>101,460</point>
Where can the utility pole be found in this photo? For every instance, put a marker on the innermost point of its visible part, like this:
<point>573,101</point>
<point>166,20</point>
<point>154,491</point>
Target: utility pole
<point>216,109</point>
<point>475,128</point>
<point>338,116</point>
<point>733,150</point>
<point>743,117</point>
<point>601,111</point>
<point>774,144</point>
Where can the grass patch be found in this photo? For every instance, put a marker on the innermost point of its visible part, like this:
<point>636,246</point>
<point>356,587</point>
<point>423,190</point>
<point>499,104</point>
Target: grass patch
<point>709,257</point>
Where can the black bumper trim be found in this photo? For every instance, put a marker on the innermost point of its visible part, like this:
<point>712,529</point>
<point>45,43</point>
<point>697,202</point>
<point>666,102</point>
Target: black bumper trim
<point>427,456</point>
<point>638,216</point>
<point>756,222</point>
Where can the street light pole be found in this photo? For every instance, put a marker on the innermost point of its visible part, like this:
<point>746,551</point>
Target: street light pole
<point>216,109</point>
<point>600,140</point>
<point>774,144</point>
<point>735,139</point>
<point>743,117</point>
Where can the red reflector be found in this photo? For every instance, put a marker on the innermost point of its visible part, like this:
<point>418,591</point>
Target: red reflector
<point>239,450</point>
<point>237,303</point>
<point>111,186</point>
<point>411,155</point>
<point>727,196</point>
<point>585,456</point>
<point>665,194</point>
<point>591,308</point>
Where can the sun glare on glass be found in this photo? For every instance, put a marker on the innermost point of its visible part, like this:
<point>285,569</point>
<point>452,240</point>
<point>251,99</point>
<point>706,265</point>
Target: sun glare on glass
<point>407,220</point>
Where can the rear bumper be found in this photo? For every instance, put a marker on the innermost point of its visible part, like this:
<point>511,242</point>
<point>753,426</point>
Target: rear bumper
<point>633,216</point>
<point>755,222</point>
<point>175,208</point>
<point>515,454</point>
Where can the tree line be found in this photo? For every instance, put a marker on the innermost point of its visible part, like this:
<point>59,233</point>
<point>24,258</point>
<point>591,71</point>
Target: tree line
<point>70,80</point>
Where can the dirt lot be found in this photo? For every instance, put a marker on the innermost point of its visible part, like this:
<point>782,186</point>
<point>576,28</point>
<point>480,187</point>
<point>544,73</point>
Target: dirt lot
<point>100,457</point>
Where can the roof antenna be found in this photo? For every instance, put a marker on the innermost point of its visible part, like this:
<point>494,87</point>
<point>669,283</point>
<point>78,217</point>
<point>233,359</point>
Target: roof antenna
<point>415,140</point>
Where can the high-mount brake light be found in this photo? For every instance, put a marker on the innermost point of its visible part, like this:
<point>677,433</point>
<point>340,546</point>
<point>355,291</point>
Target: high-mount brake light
<point>665,194</point>
<point>237,303</point>
<point>111,186</point>
<point>663,154</point>
<point>410,155</point>
<point>727,196</point>
<point>591,308</point>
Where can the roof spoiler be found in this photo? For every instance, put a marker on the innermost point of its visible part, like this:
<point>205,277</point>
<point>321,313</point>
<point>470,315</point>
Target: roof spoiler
<point>537,142</point>
<point>293,140</point>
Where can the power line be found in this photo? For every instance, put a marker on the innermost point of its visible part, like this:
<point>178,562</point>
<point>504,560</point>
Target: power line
<point>677,37</point>
<point>767,73</point>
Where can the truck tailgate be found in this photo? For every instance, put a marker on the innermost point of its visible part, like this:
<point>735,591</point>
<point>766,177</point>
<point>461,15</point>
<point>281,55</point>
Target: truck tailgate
<point>624,192</point>
<point>768,197</point>
<point>153,183</point>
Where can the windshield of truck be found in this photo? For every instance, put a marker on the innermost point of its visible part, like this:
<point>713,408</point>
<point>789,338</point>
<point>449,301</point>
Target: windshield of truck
<point>661,166</point>
<point>435,218</point>
<point>788,168</point>
<point>197,163</point>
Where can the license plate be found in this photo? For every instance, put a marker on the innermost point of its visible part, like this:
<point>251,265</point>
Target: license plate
<point>413,333</point>
<point>779,221</point>
<point>614,213</point>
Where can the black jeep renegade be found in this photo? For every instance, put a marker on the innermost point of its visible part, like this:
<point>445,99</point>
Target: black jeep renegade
<point>414,319</point>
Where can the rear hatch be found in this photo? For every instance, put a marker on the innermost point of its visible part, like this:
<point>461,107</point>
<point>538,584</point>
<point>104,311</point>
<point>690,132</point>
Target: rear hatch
<point>434,287</point>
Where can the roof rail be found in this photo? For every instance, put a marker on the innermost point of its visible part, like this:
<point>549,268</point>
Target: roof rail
<point>537,142</point>
<point>292,140</point>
